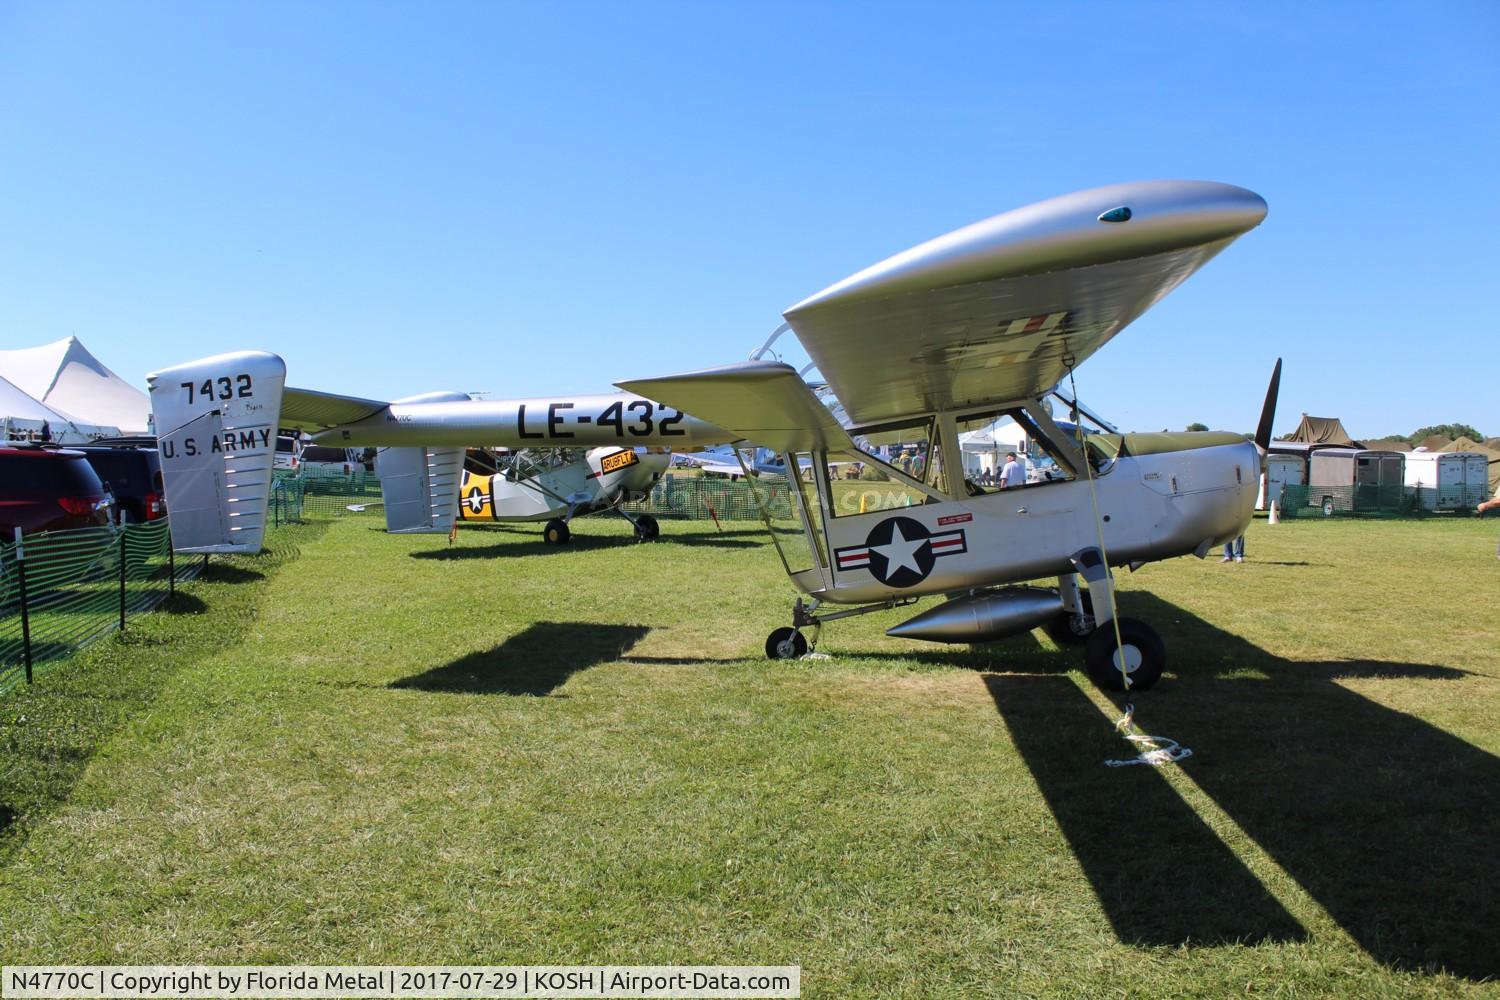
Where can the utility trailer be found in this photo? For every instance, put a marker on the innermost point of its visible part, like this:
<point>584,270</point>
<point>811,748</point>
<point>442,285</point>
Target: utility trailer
<point>1355,480</point>
<point>1448,480</point>
<point>1282,470</point>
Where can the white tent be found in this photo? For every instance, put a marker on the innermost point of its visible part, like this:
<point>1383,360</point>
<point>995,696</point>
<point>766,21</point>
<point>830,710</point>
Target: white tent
<point>984,448</point>
<point>75,384</point>
<point>23,418</point>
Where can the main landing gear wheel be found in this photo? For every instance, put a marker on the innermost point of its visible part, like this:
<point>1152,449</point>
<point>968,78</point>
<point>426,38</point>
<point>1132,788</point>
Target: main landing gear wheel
<point>786,644</point>
<point>1145,656</point>
<point>646,528</point>
<point>1068,629</point>
<point>556,532</point>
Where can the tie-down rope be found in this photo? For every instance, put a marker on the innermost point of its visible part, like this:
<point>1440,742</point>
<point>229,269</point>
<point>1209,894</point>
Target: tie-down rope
<point>1159,749</point>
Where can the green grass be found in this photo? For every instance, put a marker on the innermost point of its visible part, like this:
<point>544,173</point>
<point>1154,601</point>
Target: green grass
<point>386,750</point>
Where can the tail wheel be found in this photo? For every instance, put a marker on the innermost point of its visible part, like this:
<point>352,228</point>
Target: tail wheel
<point>646,528</point>
<point>786,644</point>
<point>1141,653</point>
<point>1069,629</point>
<point>556,532</point>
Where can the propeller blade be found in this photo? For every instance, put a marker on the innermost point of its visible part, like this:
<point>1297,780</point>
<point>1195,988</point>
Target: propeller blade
<point>1268,412</point>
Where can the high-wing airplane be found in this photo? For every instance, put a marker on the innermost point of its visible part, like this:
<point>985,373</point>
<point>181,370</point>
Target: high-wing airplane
<point>982,322</point>
<point>986,321</point>
<point>557,485</point>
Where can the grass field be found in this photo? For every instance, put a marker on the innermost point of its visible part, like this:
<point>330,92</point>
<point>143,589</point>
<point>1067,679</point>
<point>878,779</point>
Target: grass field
<point>368,749</point>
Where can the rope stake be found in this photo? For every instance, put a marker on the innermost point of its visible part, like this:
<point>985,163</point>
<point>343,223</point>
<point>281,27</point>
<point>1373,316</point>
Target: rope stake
<point>1158,749</point>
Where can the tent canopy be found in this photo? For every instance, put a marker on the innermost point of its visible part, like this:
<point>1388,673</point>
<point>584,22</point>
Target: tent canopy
<point>1323,430</point>
<point>75,384</point>
<point>22,417</point>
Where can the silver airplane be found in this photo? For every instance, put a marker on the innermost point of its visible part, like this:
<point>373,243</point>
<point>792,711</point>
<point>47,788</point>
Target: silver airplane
<point>983,322</point>
<point>986,321</point>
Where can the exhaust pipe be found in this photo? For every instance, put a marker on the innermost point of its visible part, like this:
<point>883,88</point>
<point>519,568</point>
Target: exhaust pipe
<point>984,616</point>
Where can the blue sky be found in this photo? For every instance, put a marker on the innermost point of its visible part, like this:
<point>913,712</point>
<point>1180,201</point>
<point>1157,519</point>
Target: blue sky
<point>529,199</point>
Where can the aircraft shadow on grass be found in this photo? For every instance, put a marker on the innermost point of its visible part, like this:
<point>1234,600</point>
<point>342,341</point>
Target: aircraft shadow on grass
<point>535,661</point>
<point>580,543</point>
<point>1390,823</point>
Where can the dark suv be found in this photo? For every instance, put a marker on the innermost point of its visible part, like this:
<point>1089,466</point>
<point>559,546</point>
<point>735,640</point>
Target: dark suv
<point>49,489</point>
<point>133,475</point>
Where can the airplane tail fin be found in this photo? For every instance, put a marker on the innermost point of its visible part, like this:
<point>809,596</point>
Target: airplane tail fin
<point>216,422</point>
<point>420,487</point>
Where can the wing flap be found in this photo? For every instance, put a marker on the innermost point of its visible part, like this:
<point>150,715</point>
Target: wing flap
<point>761,401</point>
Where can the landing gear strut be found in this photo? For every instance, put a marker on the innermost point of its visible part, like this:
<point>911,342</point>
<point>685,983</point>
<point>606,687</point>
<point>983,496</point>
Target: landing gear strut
<point>789,643</point>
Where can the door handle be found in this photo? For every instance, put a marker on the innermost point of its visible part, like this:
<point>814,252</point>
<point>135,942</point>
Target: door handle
<point>1020,510</point>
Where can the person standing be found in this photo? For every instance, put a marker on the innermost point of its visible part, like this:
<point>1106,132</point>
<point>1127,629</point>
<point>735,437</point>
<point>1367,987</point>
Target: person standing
<point>1491,504</point>
<point>1235,550</point>
<point>1014,474</point>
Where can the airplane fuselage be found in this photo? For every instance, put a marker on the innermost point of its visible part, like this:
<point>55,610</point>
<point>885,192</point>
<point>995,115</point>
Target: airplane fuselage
<point>1150,507</point>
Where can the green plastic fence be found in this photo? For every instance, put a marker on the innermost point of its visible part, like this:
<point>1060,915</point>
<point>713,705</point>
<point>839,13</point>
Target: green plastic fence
<point>74,591</point>
<point>319,494</point>
<point>1350,501</point>
<point>295,496</point>
<point>698,496</point>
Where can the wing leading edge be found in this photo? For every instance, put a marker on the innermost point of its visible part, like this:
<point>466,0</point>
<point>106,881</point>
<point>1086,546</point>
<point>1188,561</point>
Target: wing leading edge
<point>999,309</point>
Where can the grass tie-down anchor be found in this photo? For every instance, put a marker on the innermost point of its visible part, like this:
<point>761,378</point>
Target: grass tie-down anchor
<point>1160,750</point>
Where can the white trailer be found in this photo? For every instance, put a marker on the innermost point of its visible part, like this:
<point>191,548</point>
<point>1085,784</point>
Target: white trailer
<point>1281,471</point>
<point>1448,480</point>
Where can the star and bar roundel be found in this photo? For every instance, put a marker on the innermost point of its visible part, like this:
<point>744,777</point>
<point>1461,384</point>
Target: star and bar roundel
<point>901,551</point>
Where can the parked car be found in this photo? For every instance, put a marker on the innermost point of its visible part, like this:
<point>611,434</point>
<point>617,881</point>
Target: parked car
<point>49,489</point>
<point>288,450</point>
<point>320,461</point>
<point>133,475</point>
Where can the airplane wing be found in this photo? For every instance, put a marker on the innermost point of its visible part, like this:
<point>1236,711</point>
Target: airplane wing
<point>308,409</point>
<point>996,310</point>
<point>761,401</point>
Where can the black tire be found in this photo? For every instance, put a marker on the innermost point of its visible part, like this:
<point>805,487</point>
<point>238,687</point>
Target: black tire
<point>1066,629</point>
<point>786,644</point>
<point>556,532</point>
<point>1145,656</point>
<point>1328,506</point>
<point>646,528</point>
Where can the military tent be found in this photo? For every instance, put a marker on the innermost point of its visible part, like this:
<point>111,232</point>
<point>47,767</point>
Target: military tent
<point>1323,430</point>
<point>71,381</point>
